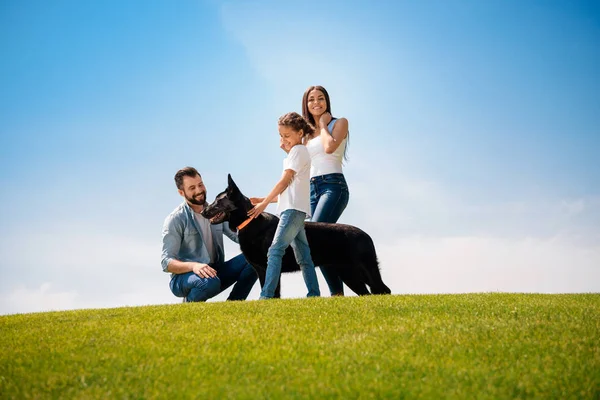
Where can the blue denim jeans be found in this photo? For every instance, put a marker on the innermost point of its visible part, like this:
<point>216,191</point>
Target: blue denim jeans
<point>290,231</point>
<point>329,197</point>
<point>194,288</point>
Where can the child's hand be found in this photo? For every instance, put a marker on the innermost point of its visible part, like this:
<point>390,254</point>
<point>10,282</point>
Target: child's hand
<point>258,209</point>
<point>256,200</point>
<point>282,146</point>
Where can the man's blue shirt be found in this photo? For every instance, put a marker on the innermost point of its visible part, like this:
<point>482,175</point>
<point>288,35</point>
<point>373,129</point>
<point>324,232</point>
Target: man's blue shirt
<point>183,241</point>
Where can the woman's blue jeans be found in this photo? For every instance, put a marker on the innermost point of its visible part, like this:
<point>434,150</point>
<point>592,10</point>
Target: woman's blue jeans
<point>194,288</point>
<point>329,197</point>
<point>290,231</point>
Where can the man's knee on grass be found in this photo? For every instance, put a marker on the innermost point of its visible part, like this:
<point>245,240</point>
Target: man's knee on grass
<point>204,289</point>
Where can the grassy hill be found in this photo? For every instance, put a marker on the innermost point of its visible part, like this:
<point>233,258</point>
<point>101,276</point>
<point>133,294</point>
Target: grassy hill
<point>484,346</point>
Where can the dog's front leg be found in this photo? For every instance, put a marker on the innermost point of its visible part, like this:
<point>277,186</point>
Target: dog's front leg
<point>261,272</point>
<point>277,294</point>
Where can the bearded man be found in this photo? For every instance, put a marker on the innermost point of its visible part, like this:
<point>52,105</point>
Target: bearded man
<point>193,252</point>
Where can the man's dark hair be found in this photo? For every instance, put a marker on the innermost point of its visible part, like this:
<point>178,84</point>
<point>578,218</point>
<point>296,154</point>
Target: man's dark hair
<point>187,171</point>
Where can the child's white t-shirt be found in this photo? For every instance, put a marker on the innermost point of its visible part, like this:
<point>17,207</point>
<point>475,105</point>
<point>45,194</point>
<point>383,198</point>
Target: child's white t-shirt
<point>297,195</point>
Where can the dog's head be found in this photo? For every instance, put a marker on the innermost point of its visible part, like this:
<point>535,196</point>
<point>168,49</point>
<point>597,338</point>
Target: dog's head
<point>228,204</point>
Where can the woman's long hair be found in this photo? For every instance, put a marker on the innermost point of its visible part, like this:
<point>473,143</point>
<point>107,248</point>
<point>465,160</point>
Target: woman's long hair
<point>309,117</point>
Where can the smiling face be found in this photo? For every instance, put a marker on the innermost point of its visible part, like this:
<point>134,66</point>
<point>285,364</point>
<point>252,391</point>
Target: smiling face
<point>289,136</point>
<point>317,103</point>
<point>193,190</point>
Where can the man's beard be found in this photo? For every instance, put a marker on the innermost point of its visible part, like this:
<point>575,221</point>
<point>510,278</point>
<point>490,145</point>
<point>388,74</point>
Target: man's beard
<point>195,201</point>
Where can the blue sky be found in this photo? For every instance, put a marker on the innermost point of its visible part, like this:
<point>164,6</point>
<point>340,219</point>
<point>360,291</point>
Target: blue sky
<point>475,133</point>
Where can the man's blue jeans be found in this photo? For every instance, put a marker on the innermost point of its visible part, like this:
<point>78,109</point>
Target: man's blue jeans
<point>329,197</point>
<point>290,231</point>
<point>194,288</point>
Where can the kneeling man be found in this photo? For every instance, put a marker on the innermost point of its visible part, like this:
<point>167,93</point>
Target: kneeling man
<point>193,252</point>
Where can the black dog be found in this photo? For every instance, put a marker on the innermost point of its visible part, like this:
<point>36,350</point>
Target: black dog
<point>344,247</point>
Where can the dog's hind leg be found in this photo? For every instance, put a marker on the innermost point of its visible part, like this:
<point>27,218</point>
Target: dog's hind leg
<point>369,266</point>
<point>373,278</point>
<point>351,277</point>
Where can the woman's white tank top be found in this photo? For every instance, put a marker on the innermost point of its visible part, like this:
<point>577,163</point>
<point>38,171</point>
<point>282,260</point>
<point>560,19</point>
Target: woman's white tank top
<point>321,162</point>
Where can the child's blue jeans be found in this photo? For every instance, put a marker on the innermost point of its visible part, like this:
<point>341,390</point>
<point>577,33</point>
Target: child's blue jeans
<point>290,231</point>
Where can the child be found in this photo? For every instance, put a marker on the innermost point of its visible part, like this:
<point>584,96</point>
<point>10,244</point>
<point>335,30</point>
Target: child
<point>293,206</point>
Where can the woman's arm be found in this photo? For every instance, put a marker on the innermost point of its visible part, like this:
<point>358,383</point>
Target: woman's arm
<point>340,130</point>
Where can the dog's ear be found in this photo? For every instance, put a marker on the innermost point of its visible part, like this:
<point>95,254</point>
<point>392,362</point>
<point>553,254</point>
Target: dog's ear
<point>231,186</point>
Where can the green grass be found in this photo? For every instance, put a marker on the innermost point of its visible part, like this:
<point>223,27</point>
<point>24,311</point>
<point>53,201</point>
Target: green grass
<point>484,346</point>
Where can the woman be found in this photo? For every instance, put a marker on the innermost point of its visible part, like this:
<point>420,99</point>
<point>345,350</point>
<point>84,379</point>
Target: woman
<point>327,147</point>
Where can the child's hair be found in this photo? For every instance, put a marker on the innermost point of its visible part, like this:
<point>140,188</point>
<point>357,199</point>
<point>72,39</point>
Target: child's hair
<point>296,122</point>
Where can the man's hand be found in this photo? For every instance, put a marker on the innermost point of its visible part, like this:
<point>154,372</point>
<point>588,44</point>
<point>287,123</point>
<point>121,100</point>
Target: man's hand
<point>204,270</point>
<point>258,209</point>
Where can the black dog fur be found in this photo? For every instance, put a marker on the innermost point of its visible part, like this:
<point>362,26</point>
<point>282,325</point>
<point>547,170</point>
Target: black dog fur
<point>344,247</point>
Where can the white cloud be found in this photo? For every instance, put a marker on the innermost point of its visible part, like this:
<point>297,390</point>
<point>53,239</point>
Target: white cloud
<point>129,272</point>
<point>421,264</point>
<point>390,201</point>
<point>80,268</point>
<point>483,264</point>
<point>22,299</point>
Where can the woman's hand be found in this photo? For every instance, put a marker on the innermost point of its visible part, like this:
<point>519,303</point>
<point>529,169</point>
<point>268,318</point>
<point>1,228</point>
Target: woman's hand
<point>258,209</point>
<point>324,120</point>
<point>256,200</point>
